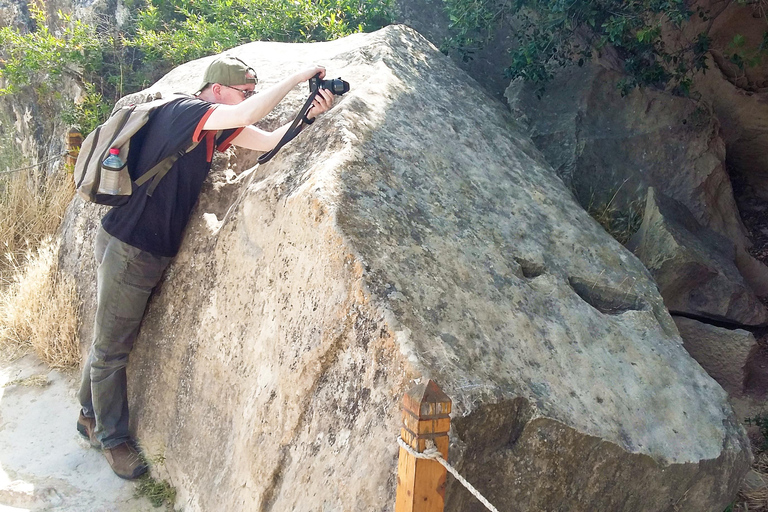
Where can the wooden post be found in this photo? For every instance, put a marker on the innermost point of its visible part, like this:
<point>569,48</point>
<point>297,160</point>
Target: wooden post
<point>421,482</point>
<point>74,140</point>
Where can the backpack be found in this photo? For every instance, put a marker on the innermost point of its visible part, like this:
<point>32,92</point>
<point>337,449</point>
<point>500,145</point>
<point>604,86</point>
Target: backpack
<point>116,132</point>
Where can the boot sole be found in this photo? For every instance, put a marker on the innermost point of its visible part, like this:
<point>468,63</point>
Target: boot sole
<point>136,474</point>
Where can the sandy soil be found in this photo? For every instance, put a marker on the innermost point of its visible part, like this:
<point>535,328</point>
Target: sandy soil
<point>44,464</point>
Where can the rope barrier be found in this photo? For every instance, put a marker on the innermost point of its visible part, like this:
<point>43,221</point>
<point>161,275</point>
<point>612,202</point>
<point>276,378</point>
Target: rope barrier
<point>35,165</point>
<point>432,453</point>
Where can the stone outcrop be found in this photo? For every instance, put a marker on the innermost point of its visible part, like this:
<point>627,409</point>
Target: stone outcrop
<point>609,149</point>
<point>724,353</point>
<point>726,21</point>
<point>736,93</point>
<point>737,361</point>
<point>743,116</point>
<point>606,146</point>
<point>412,233</point>
<point>693,265</point>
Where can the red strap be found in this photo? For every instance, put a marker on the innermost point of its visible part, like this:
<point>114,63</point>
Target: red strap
<point>228,141</point>
<point>197,136</point>
<point>210,140</point>
<point>210,136</point>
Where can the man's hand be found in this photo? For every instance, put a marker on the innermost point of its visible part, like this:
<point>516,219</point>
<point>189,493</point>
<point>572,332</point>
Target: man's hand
<point>308,73</point>
<point>322,103</point>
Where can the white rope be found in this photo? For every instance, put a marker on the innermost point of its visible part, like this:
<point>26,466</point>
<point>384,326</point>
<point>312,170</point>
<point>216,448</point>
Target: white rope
<point>434,454</point>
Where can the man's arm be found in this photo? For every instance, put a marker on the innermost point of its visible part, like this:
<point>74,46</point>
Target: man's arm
<point>260,140</point>
<point>256,107</point>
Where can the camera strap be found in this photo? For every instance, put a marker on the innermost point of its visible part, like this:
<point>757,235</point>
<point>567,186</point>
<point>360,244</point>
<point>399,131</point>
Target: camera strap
<point>293,131</point>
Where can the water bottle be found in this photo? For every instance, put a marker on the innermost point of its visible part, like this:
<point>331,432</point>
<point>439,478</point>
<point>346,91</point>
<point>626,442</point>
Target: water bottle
<point>110,173</point>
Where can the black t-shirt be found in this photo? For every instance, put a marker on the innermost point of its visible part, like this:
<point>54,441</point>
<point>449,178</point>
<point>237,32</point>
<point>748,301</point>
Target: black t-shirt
<point>156,224</point>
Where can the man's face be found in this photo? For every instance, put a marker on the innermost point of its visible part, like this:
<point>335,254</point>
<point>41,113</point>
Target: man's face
<point>234,94</point>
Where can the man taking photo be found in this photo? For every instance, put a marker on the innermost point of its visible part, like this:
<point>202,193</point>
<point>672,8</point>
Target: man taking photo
<point>137,241</point>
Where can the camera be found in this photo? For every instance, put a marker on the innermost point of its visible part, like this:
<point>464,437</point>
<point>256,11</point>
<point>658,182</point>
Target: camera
<point>336,85</point>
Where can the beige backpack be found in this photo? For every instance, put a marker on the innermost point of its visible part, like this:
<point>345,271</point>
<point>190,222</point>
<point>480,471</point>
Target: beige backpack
<point>116,132</point>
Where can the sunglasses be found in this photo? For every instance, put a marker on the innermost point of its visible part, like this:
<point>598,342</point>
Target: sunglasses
<point>246,94</point>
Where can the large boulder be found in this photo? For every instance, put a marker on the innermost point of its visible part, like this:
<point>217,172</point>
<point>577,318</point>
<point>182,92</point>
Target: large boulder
<point>693,265</point>
<point>724,353</point>
<point>609,149</point>
<point>412,233</point>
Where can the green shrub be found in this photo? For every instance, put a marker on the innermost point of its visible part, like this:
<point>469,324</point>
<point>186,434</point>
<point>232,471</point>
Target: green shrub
<point>179,31</point>
<point>547,34</point>
<point>108,63</point>
<point>40,58</point>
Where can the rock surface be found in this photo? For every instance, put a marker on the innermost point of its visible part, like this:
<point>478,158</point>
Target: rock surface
<point>738,94</point>
<point>744,119</point>
<point>725,21</point>
<point>737,360</point>
<point>693,266</point>
<point>413,232</point>
<point>608,147</point>
<point>724,353</point>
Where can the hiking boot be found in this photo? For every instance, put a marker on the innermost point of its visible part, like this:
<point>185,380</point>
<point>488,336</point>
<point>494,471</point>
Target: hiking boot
<point>87,428</point>
<point>125,461</point>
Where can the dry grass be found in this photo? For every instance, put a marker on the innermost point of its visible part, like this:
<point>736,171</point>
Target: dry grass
<point>622,223</point>
<point>757,500</point>
<point>31,209</point>
<point>34,381</point>
<point>38,311</point>
<point>754,501</point>
<point>38,307</point>
<point>750,498</point>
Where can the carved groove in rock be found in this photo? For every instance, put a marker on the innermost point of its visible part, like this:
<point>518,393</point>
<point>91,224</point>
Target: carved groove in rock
<point>606,300</point>
<point>529,268</point>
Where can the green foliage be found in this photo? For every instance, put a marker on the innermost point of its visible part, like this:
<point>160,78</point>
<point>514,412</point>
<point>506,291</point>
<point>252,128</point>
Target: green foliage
<point>473,23</point>
<point>548,34</point>
<point>89,112</point>
<point>744,56</point>
<point>109,63</point>
<point>157,492</point>
<point>41,58</point>
<point>187,29</point>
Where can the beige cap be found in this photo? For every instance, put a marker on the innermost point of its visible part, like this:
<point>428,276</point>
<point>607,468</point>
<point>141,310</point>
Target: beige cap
<point>228,70</point>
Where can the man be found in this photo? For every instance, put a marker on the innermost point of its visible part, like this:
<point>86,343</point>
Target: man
<point>137,241</point>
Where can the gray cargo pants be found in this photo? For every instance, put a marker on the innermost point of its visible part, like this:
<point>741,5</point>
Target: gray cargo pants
<point>126,277</point>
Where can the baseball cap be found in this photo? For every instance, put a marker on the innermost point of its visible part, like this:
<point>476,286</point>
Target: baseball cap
<point>228,70</point>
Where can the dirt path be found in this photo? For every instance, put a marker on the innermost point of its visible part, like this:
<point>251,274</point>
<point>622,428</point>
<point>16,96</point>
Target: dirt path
<point>44,463</point>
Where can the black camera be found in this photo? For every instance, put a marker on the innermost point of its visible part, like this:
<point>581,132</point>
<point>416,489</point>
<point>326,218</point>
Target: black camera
<point>336,85</point>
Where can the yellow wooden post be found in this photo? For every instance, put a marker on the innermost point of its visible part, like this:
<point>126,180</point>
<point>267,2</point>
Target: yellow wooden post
<point>74,140</point>
<point>421,482</point>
